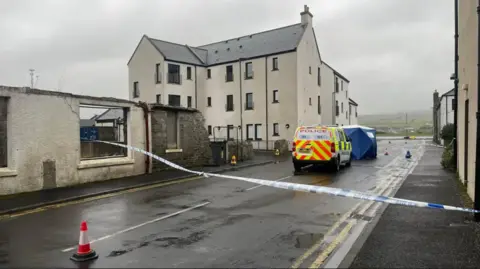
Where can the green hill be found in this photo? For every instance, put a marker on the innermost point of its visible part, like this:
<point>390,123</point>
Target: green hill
<point>397,121</point>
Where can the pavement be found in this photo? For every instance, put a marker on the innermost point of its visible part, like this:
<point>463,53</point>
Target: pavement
<point>406,237</point>
<point>205,222</point>
<point>25,201</point>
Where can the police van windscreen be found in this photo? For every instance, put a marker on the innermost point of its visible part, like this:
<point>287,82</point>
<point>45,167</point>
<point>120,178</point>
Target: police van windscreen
<point>313,134</point>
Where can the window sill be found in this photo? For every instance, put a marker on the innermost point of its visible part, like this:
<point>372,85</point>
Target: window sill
<point>246,109</point>
<point>86,164</point>
<point>173,150</point>
<point>276,135</point>
<point>6,172</point>
<point>258,139</point>
<point>275,69</point>
<point>275,102</point>
<point>248,78</point>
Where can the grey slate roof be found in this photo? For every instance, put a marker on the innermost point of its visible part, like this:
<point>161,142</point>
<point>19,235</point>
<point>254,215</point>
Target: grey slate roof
<point>449,93</point>
<point>250,46</point>
<point>111,114</point>
<point>177,52</point>
<point>254,45</point>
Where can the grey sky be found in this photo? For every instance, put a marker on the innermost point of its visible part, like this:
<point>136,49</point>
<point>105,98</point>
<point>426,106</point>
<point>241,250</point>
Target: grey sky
<point>395,52</point>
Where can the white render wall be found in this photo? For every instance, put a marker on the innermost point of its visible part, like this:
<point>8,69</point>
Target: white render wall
<point>327,90</point>
<point>55,135</point>
<point>446,110</point>
<point>342,98</point>
<point>353,118</point>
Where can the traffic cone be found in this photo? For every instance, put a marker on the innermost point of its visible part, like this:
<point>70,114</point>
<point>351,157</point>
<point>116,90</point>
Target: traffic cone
<point>234,160</point>
<point>386,152</point>
<point>84,252</point>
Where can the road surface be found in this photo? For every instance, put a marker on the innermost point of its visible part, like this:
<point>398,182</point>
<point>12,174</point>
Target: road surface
<point>210,222</point>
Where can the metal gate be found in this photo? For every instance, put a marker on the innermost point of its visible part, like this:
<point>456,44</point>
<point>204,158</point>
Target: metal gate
<point>219,152</point>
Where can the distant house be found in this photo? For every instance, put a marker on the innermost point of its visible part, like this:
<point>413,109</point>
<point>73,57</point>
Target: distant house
<point>87,123</point>
<point>443,111</point>
<point>115,118</point>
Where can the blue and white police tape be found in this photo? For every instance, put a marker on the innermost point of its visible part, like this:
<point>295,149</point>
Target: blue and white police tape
<point>304,187</point>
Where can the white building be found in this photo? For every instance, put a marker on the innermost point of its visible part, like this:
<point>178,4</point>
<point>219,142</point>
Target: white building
<point>265,83</point>
<point>352,112</point>
<point>444,113</point>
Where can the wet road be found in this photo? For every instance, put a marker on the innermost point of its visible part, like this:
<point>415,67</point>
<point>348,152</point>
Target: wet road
<point>202,223</point>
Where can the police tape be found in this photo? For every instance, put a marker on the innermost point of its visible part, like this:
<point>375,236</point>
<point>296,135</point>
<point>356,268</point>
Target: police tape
<point>304,187</point>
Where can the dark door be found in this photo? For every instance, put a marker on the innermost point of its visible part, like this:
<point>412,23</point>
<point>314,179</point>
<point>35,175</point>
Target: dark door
<point>465,143</point>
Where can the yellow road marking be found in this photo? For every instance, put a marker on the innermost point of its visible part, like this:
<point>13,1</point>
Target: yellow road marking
<point>94,198</point>
<point>317,245</point>
<point>322,257</point>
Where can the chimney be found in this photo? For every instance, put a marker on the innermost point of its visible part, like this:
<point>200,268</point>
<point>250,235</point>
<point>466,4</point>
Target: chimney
<point>306,16</point>
<point>436,117</point>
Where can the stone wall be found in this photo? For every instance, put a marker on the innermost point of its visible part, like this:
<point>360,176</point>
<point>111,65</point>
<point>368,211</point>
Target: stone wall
<point>244,150</point>
<point>282,145</point>
<point>193,143</point>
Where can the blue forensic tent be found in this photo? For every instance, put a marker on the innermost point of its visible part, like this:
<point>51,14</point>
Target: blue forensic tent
<point>364,141</point>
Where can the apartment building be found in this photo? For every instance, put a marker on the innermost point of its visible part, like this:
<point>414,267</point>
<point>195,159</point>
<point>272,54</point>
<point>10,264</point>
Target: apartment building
<point>467,93</point>
<point>261,86</point>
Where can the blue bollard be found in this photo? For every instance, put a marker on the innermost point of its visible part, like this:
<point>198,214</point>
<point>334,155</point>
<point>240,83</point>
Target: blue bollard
<point>408,155</point>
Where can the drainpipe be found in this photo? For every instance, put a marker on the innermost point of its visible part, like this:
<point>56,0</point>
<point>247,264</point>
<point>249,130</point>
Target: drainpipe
<point>241,100</point>
<point>266,100</point>
<point>476,204</point>
<point>455,113</point>
<point>146,111</point>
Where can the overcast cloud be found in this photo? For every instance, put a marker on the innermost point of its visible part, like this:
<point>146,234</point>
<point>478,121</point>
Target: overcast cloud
<point>394,52</point>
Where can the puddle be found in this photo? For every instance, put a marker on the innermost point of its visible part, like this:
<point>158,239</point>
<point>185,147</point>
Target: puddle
<point>307,240</point>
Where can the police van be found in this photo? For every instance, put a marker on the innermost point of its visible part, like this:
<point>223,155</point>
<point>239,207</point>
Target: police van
<point>321,145</point>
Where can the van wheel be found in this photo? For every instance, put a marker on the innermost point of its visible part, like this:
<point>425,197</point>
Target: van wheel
<point>297,167</point>
<point>336,165</point>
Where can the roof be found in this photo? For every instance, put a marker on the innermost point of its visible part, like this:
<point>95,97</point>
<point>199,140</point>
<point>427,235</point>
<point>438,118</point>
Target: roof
<point>87,122</point>
<point>264,43</point>
<point>111,114</point>
<point>270,42</point>
<point>449,93</point>
<point>350,100</point>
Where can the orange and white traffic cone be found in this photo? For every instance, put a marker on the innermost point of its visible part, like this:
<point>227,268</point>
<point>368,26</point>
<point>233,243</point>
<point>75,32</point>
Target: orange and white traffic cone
<point>386,152</point>
<point>84,252</point>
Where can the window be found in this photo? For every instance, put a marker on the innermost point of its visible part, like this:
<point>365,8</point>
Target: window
<point>189,72</point>
<point>275,129</point>
<point>229,132</point>
<point>342,84</point>
<point>258,132</point>
<point>174,76</point>
<point>346,115</point>
<point>310,70</point>
<point>173,100</point>
<point>229,105</point>
<point>310,100</point>
<point>319,106</point>
<point>349,110</point>
<point>3,132</point>
<point>209,73</point>
<point>136,90</point>
<point>209,129</point>
<point>105,128</point>
<point>319,77</point>
<point>249,101</point>
<point>250,131</point>
<point>159,98</point>
<point>336,84</point>
<point>342,107</point>
<point>189,101</point>
<point>158,74</point>
<point>275,96</point>
<point>275,63</point>
<point>209,101</point>
<point>248,70</point>
<point>229,74</point>
<point>337,109</point>
<point>346,94</point>
<point>172,130</point>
